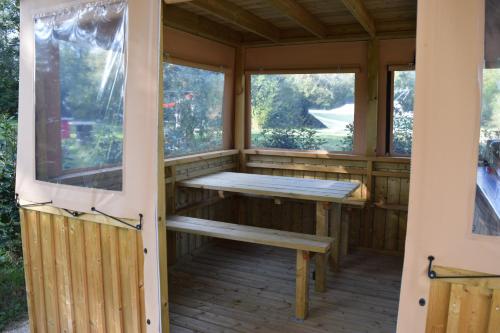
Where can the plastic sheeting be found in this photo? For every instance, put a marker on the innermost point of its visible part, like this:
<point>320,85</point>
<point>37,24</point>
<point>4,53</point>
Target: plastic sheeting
<point>79,95</point>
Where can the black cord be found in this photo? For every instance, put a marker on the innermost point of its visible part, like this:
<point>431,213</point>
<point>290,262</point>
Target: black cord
<point>138,226</point>
<point>433,275</point>
<point>35,204</point>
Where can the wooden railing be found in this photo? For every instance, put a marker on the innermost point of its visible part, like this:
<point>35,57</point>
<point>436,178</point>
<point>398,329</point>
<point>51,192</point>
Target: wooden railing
<point>384,188</point>
<point>463,304</point>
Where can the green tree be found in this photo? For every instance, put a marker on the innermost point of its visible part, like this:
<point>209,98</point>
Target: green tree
<point>193,109</point>
<point>9,55</point>
<point>403,105</point>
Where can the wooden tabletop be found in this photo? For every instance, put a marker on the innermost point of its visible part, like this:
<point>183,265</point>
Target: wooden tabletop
<point>274,186</point>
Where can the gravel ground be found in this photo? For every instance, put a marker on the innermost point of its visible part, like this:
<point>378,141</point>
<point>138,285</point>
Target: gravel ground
<point>19,327</point>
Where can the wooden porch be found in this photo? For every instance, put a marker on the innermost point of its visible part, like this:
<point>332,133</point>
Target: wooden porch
<point>236,287</point>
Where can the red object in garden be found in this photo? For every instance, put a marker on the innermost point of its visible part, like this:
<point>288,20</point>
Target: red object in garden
<point>65,129</point>
<point>169,105</point>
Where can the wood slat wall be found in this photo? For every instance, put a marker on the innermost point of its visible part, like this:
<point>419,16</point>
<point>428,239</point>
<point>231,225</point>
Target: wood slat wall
<point>82,276</point>
<point>384,186</point>
<point>464,305</point>
<point>197,203</point>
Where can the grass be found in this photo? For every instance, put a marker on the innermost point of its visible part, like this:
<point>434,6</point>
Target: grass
<point>12,290</point>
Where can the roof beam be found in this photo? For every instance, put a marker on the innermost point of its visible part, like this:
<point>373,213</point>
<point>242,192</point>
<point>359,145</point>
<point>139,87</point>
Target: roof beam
<point>301,16</point>
<point>236,15</point>
<point>171,2</point>
<point>184,20</point>
<point>359,11</point>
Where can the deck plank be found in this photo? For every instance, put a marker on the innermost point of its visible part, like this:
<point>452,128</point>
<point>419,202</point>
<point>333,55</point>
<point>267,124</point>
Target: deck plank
<point>237,287</point>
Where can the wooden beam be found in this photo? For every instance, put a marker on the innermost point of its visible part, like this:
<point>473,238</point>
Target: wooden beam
<point>240,106</point>
<point>236,15</point>
<point>301,16</point>
<point>359,11</point>
<point>338,33</point>
<point>372,114</point>
<point>177,18</point>
<point>171,2</point>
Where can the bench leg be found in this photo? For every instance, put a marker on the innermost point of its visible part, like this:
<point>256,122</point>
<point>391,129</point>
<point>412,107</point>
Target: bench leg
<point>322,221</point>
<point>335,232</point>
<point>302,285</point>
<point>345,233</point>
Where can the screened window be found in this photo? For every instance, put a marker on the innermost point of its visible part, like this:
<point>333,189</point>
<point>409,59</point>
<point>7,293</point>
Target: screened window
<point>403,96</point>
<point>193,110</point>
<point>487,204</point>
<point>79,95</point>
<point>303,111</point>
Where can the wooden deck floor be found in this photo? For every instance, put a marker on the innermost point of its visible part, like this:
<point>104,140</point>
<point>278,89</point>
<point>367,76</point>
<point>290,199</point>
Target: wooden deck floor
<point>236,287</point>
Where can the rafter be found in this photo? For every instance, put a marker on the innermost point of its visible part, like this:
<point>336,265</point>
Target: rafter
<point>171,2</point>
<point>301,16</point>
<point>184,20</point>
<point>240,17</point>
<point>359,11</point>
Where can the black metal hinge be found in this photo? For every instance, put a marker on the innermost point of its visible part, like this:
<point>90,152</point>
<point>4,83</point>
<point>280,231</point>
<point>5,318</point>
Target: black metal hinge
<point>433,275</point>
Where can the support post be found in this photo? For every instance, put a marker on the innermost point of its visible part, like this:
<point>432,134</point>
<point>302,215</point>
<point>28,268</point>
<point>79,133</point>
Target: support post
<point>372,112</point>
<point>322,220</point>
<point>302,285</point>
<point>239,105</point>
<point>335,232</point>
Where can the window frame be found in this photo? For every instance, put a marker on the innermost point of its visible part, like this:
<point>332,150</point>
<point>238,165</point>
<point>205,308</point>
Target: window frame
<point>389,119</point>
<point>168,59</point>
<point>340,69</point>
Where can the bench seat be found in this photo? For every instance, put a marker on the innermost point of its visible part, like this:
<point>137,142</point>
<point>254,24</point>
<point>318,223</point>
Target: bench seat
<point>303,243</point>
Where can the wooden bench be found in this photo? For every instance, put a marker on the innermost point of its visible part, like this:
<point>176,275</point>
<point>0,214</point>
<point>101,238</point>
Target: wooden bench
<point>303,243</point>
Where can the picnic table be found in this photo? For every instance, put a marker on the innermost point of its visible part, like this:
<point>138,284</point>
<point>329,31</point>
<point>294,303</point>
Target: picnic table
<point>327,194</point>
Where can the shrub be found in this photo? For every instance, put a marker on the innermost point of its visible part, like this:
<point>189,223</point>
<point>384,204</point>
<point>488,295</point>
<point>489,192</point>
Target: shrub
<point>10,238</point>
<point>290,138</point>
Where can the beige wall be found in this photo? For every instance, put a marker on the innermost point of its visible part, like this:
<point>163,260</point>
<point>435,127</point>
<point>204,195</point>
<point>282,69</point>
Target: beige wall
<point>446,132</point>
<point>199,50</point>
<point>333,55</point>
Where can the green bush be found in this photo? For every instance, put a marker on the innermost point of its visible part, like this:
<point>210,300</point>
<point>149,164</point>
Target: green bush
<point>12,290</point>
<point>10,239</point>
<point>290,138</point>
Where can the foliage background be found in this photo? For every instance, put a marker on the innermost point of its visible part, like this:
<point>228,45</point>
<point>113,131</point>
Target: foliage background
<point>12,292</point>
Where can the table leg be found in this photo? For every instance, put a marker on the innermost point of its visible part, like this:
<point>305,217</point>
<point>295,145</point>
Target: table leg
<point>302,285</point>
<point>335,233</point>
<point>322,220</point>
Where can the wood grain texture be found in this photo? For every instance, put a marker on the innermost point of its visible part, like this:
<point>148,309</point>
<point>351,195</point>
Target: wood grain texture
<point>74,275</point>
<point>231,231</point>
<point>463,305</point>
<point>302,285</point>
<point>380,223</point>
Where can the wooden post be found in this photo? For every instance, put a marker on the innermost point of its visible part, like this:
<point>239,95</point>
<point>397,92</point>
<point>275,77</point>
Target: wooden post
<point>344,239</point>
<point>239,121</point>
<point>162,201</point>
<point>335,232</point>
<point>302,285</point>
<point>239,105</point>
<point>372,112</point>
<point>322,219</point>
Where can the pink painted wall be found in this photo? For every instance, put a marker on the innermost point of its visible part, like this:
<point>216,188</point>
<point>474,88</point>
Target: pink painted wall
<point>446,135</point>
<point>196,49</point>
<point>331,56</point>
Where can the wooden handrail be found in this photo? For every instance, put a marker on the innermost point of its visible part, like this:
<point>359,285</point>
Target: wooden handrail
<point>200,157</point>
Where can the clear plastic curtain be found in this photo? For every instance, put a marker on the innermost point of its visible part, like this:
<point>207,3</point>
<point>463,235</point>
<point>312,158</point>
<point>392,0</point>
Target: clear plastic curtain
<point>79,94</point>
